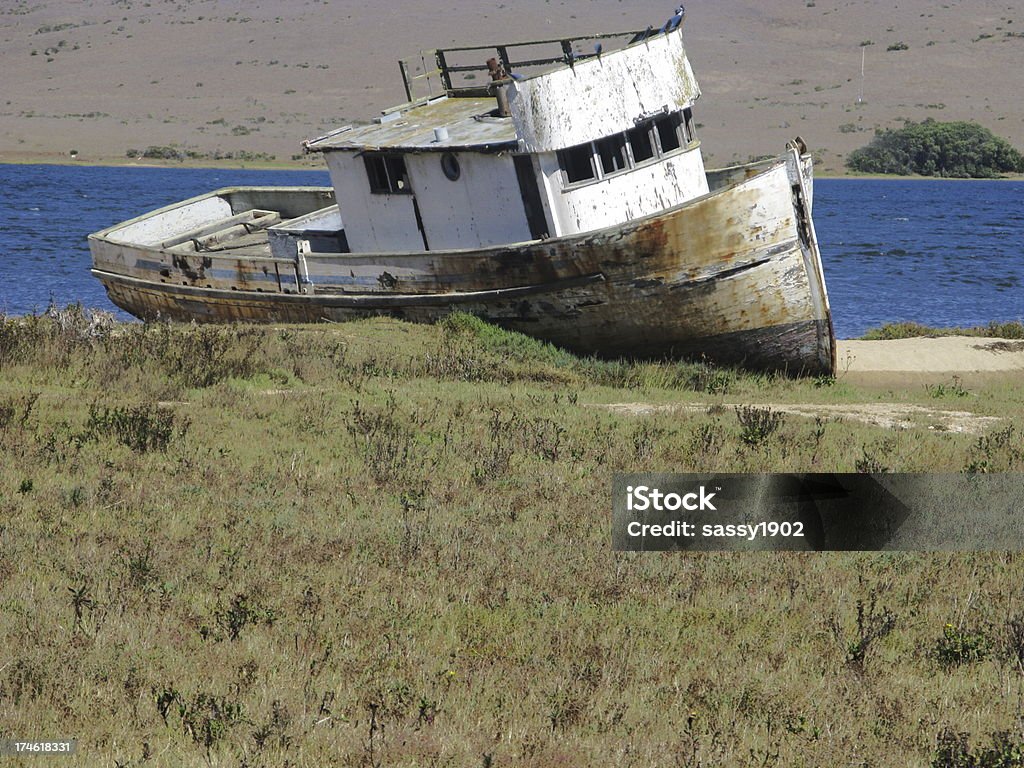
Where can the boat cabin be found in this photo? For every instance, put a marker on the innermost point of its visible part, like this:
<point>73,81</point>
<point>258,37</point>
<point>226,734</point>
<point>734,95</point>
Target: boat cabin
<point>522,142</point>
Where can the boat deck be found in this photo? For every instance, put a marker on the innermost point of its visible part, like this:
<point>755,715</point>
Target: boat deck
<point>254,243</point>
<point>244,233</point>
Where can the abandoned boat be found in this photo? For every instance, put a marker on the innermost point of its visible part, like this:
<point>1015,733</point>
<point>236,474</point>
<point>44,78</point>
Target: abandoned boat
<point>562,195</point>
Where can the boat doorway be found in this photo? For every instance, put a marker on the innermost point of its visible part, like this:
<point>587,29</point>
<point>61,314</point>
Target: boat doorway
<point>532,204</point>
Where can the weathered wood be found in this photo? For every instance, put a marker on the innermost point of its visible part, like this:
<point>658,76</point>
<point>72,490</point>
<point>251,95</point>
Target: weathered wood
<point>261,218</point>
<point>679,283</point>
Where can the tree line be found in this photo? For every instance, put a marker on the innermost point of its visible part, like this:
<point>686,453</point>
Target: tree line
<point>932,148</point>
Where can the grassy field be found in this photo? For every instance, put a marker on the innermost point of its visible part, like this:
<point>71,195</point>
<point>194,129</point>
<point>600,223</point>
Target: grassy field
<point>379,544</point>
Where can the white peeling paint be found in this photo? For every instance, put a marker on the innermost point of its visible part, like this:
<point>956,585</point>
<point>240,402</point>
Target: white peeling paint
<point>617,199</point>
<point>482,207</point>
<point>373,222</point>
<point>156,229</point>
<point>602,96</point>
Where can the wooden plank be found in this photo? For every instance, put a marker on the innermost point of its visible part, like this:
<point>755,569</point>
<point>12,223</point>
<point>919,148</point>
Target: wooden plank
<point>252,215</point>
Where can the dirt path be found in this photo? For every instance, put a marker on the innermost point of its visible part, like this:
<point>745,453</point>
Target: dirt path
<point>889,415</point>
<point>948,361</point>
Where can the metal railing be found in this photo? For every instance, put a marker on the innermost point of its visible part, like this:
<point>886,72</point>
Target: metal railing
<point>439,75</point>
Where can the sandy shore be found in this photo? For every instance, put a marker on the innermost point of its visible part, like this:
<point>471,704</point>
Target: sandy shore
<point>930,361</point>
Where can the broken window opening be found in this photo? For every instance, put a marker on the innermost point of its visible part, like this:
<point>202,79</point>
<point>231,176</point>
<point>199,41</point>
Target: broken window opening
<point>387,174</point>
<point>578,163</point>
<point>667,128</point>
<point>612,151</point>
<point>652,138</point>
<point>640,143</point>
<point>691,134</point>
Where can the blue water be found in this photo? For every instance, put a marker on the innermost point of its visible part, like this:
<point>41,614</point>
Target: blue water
<point>937,252</point>
<point>942,253</point>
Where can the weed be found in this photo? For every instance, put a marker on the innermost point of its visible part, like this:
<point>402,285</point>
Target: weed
<point>1001,450</point>
<point>714,381</point>
<point>458,360</point>
<point>1013,641</point>
<point>274,732</point>
<point>645,439</point>
<point>566,707</point>
<point>243,610</point>
<point>959,646</point>
<point>954,388</point>
<point>707,441</point>
<point>142,428</point>
<point>757,425</point>
<point>15,410</point>
<point>872,624</point>
<point>386,444</point>
<point>544,437</point>
<point>906,330</point>
<point>194,356</point>
<point>82,603</point>
<point>139,568</point>
<point>953,751</point>
<point>205,718</point>
<point>873,459</point>
<point>495,459</point>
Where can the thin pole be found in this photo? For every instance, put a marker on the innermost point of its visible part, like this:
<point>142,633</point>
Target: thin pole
<point>863,52</point>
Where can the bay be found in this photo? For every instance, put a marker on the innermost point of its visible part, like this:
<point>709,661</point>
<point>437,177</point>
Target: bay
<point>936,252</point>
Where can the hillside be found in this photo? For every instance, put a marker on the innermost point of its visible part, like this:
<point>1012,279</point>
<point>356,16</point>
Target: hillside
<point>104,76</point>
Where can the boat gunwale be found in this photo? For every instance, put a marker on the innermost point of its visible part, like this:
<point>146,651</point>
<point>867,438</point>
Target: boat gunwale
<point>104,234</point>
<point>357,300</point>
<point>615,230</point>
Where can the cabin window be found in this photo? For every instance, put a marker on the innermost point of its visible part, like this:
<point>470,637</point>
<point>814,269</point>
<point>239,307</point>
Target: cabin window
<point>640,143</point>
<point>620,152</point>
<point>387,174</point>
<point>612,151</point>
<point>578,163</point>
<point>667,128</point>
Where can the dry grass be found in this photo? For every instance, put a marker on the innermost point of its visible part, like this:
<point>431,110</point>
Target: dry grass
<point>382,544</point>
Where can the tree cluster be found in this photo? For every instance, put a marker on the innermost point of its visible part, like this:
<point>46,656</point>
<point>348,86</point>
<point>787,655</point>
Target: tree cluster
<point>930,148</point>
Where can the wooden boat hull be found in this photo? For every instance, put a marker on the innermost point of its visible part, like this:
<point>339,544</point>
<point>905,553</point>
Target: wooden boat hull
<point>733,277</point>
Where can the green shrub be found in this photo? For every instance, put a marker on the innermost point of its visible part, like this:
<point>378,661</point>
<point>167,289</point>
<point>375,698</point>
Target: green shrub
<point>931,148</point>
<point>909,330</point>
<point>958,646</point>
<point>142,428</point>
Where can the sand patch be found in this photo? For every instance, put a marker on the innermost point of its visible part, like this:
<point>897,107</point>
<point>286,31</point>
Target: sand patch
<point>942,355</point>
<point>886,415</point>
<point>926,362</point>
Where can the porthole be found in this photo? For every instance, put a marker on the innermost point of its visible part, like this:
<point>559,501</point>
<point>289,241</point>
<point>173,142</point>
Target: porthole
<point>450,166</point>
